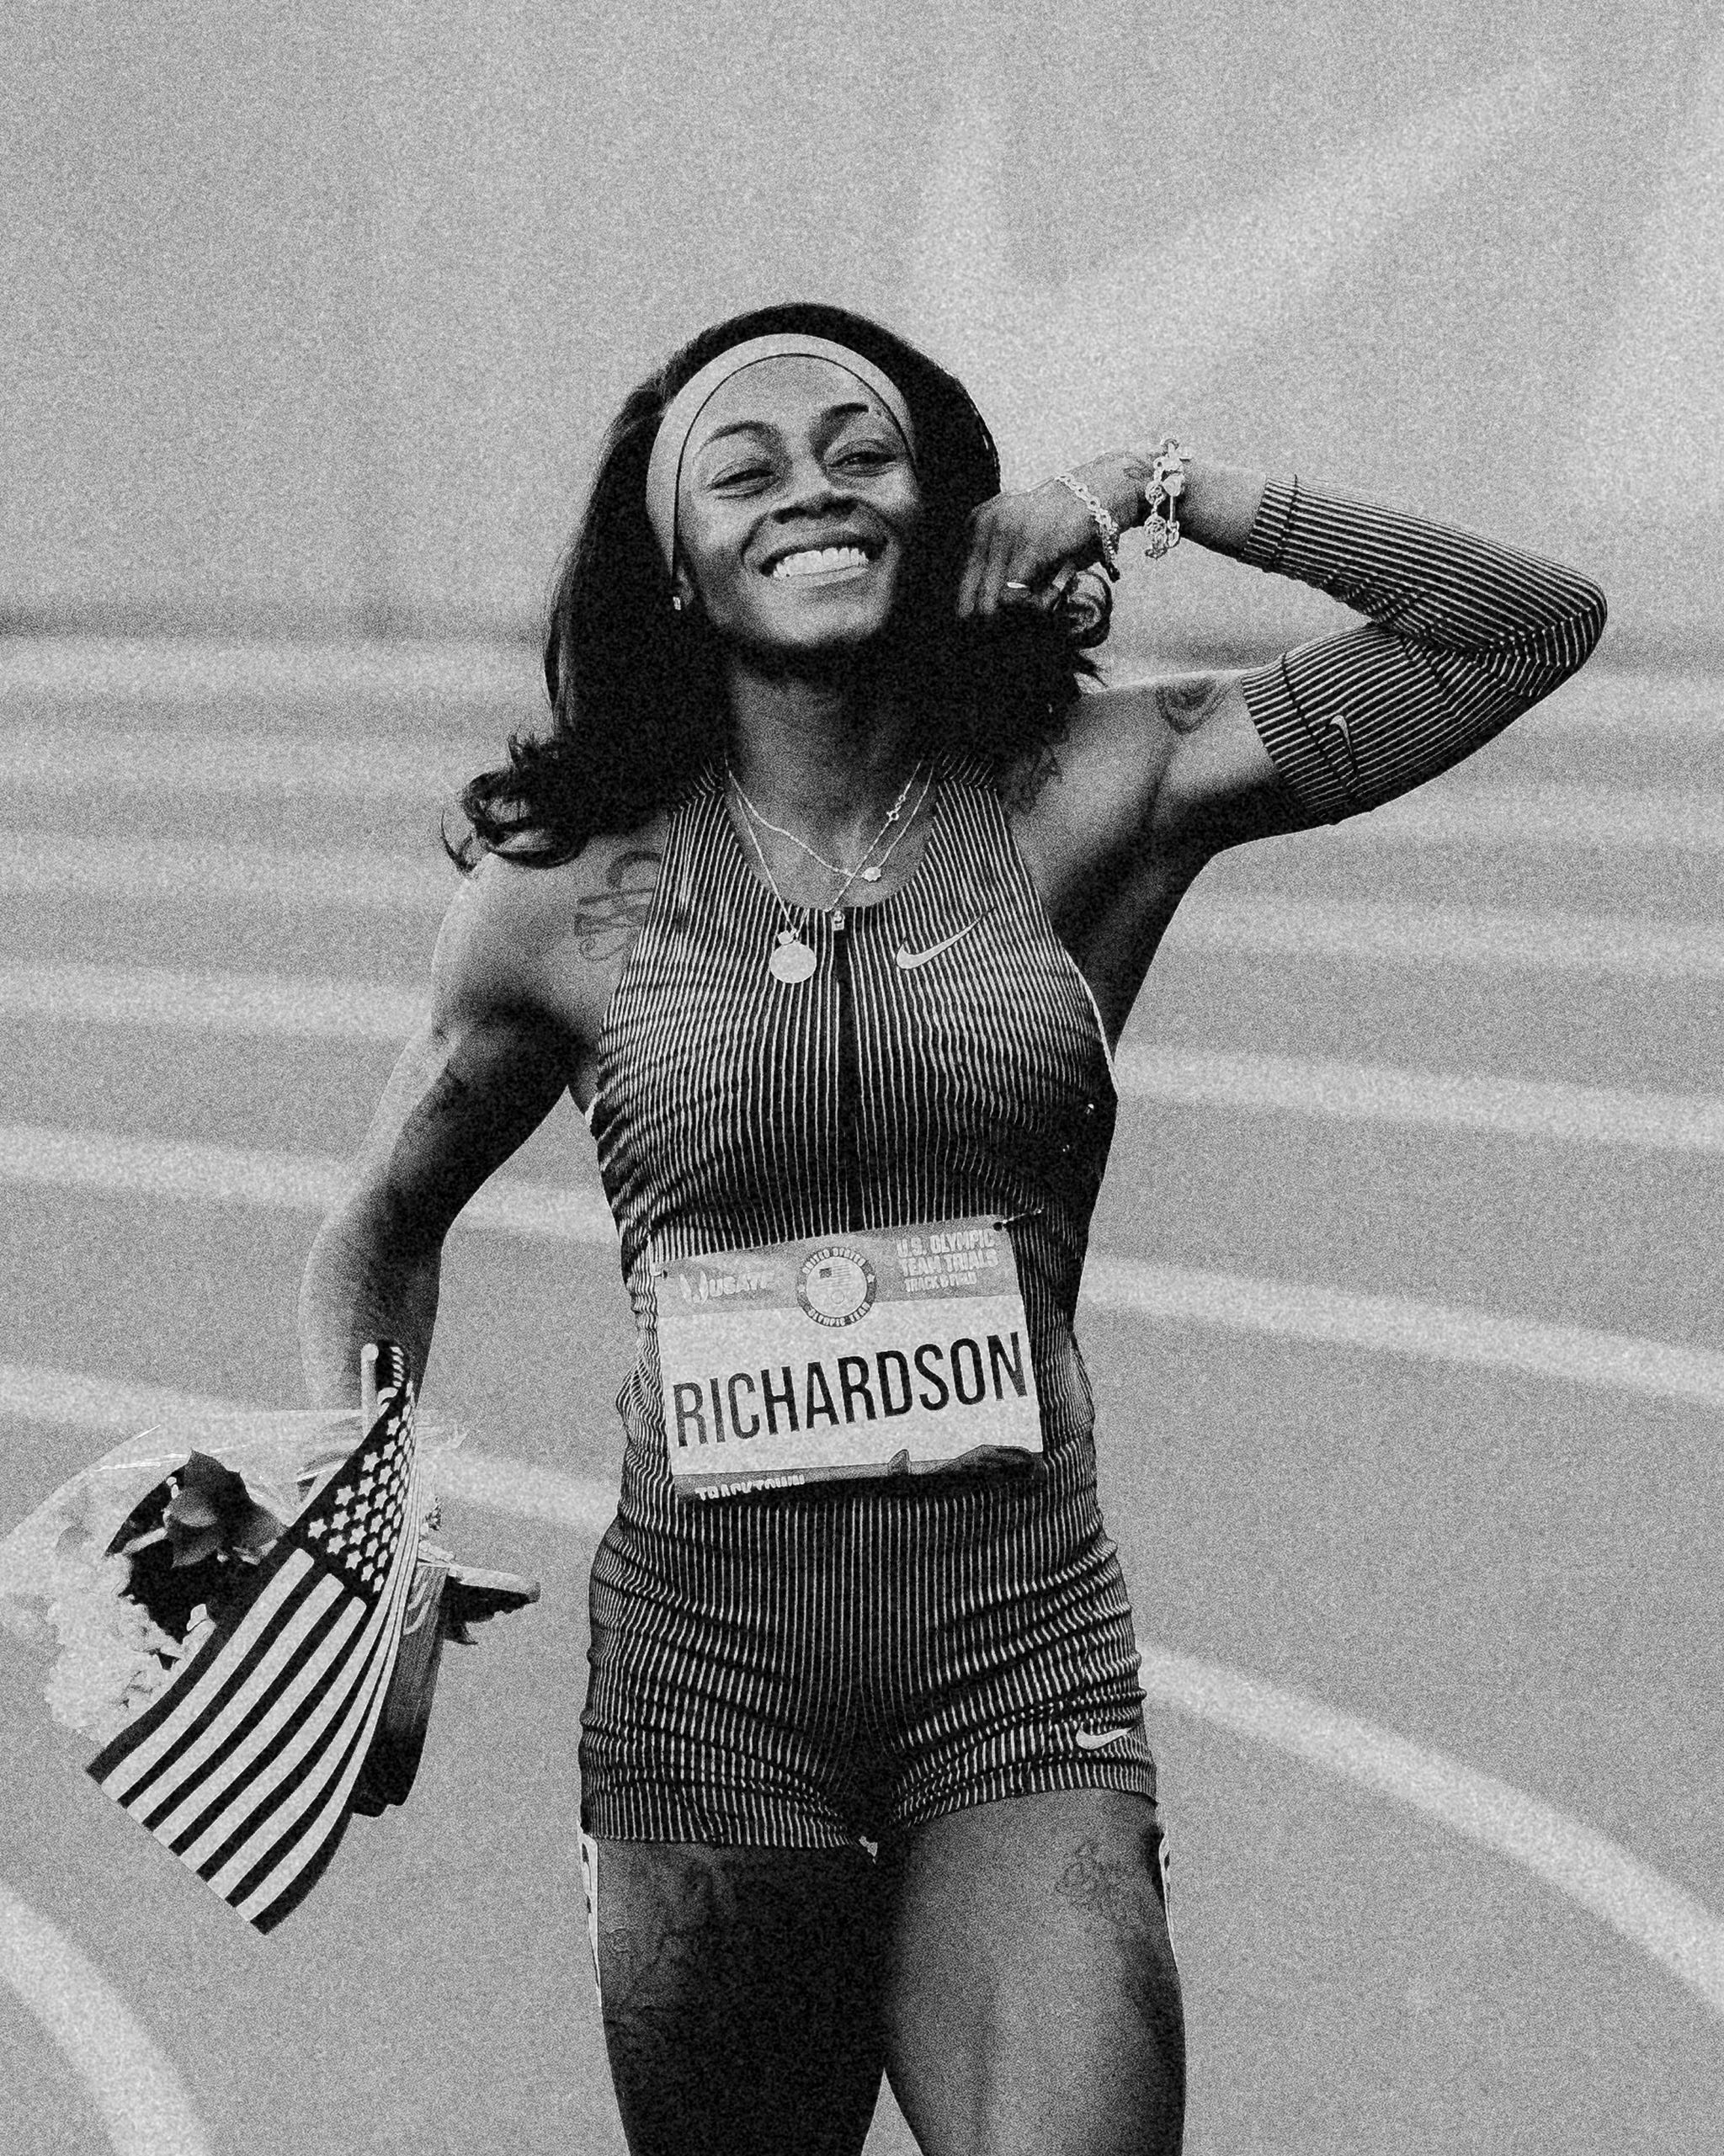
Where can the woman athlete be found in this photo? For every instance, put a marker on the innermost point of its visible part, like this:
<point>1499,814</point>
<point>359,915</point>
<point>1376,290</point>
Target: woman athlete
<point>827,897</point>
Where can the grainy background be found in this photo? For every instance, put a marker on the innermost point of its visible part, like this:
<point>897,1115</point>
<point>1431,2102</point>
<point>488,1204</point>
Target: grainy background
<point>311,317</point>
<point>314,313</point>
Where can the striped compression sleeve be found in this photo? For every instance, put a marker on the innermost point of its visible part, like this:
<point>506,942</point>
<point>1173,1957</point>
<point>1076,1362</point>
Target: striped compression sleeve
<point>1463,636</point>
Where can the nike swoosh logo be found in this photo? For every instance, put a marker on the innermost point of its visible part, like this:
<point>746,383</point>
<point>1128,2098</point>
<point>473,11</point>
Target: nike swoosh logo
<point>908,958</point>
<point>1092,1742</point>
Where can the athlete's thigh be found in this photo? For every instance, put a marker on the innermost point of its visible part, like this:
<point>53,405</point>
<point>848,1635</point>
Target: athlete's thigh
<point>740,1989</point>
<point>1031,2002</point>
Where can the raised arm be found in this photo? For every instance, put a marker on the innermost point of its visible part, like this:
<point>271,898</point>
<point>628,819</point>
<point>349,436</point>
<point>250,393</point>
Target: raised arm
<point>1155,779</point>
<point>1462,635</point>
<point>472,1085</point>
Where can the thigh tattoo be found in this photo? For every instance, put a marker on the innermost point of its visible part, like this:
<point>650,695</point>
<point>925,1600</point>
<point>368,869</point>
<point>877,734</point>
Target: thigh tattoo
<point>1128,1899</point>
<point>664,1964</point>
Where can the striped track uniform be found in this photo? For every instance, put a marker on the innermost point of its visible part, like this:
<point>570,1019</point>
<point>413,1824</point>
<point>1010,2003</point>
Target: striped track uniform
<point>1463,635</point>
<point>810,1667</point>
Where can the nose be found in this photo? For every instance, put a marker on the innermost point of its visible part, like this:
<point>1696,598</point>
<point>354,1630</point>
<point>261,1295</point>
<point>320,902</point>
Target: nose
<point>809,488</point>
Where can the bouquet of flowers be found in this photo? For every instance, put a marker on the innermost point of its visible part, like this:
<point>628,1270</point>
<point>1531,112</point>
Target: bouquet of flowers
<point>119,1574</point>
<point>163,1548</point>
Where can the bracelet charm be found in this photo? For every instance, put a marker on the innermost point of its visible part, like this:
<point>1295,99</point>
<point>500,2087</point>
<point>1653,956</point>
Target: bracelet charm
<point>1162,491</point>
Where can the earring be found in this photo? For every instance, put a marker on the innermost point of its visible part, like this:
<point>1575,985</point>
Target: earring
<point>676,602</point>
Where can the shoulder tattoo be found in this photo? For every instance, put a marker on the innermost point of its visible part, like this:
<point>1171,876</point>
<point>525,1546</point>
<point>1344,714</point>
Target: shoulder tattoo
<point>1185,702</point>
<point>606,921</point>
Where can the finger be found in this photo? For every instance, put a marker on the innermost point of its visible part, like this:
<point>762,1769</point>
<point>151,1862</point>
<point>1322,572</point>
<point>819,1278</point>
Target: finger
<point>1026,581</point>
<point>969,583</point>
<point>990,581</point>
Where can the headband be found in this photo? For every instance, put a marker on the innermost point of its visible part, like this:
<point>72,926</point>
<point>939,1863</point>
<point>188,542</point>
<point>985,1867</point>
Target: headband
<point>664,470</point>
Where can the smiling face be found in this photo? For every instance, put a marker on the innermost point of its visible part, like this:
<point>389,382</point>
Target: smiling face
<point>798,512</point>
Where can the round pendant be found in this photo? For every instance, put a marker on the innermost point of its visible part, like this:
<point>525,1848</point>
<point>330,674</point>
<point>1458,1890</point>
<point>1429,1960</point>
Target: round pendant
<point>791,961</point>
<point>871,876</point>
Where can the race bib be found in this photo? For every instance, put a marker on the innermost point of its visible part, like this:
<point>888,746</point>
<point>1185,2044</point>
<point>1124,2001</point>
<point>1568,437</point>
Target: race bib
<point>898,1351</point>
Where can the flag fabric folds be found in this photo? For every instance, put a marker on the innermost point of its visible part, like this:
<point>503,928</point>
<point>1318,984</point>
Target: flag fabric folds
<point>245,1767</point>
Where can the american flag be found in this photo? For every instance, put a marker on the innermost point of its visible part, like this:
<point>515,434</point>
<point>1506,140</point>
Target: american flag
<point>245,1767</point>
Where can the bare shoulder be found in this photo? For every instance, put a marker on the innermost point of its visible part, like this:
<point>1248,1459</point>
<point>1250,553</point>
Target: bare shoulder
<point>1093,805</point>
<point>549,942</point>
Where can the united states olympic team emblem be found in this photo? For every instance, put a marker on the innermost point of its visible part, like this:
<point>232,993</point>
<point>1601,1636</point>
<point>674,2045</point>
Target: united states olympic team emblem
<point>836,1286</point>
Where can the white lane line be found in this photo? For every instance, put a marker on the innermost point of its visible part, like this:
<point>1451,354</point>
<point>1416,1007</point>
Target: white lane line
<point>1612,817</point>
<point>102,759</point>
<point>41,1394</point>
<point>33,864</point>
<point>1393,1324</point>
<point>1483,938</point>
<point>1600,700</point>
<point>262,1006</point>
<point>1288,1310</point>
<point>181,670</point>
<point>96,758</point>
<point>1639,1903</point>
<point>33,1155</point>
<point>257,1006</point>
<point>201,670</point>
<point>198,874</point>
<point>1455,1100</point>
<point>143,2104</point>
<point>38,1393</point>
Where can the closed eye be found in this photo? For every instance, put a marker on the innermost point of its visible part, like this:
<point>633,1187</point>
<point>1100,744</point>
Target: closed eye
<point>865,456</point>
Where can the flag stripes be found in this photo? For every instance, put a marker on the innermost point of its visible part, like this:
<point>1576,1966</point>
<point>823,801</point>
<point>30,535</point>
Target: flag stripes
<point>245,1767</point>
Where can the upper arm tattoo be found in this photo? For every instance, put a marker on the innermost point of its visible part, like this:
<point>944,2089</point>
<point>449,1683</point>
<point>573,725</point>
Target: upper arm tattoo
<point>606,921</point>
<point>461,1128</point>
<point>447,1097</point>
<point>1185,702</point>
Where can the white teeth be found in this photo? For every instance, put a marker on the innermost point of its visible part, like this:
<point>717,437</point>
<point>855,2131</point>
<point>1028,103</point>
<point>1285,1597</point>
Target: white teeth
<point>814,561</point>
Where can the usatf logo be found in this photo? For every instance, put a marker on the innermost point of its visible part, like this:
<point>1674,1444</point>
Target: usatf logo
<point>836,1286</point>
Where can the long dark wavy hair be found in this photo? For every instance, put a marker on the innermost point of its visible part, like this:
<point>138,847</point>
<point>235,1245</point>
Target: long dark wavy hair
<point>637,706</point>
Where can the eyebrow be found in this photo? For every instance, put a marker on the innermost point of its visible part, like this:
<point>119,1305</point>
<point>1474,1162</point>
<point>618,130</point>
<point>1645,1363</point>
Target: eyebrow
<point>848,411</point>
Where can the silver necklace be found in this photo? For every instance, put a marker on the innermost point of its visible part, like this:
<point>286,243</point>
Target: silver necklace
<point>793,960</point>
<point>872,875</point>
<point>869,871</point>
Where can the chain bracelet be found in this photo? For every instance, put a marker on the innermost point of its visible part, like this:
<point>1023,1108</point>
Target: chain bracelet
<point>1106,530</point>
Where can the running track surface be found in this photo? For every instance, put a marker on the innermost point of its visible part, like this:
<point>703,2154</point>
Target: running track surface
<point>1406,1348</point>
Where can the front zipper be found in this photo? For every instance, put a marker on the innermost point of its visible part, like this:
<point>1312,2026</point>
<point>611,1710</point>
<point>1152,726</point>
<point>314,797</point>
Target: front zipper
<point>849,1128</point>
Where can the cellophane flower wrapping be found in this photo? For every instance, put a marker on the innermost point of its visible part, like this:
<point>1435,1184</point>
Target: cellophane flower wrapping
<point>66,1592</point>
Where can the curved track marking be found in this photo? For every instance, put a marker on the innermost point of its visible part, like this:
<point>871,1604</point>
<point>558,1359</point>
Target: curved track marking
<point>1553,813</point>
<point>1281,925</point>
<point>89,758</point>
<point>232,673</point>
<point>145,2110</point>
<point>161,872</point>
<point>229,672</point>
<point>1646,1908</point>
<point>265,1006</point>
<point>1355,933</point>
<point>1397,1324</point>
<point>1651,1912</point>
<point>576,1213</point>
